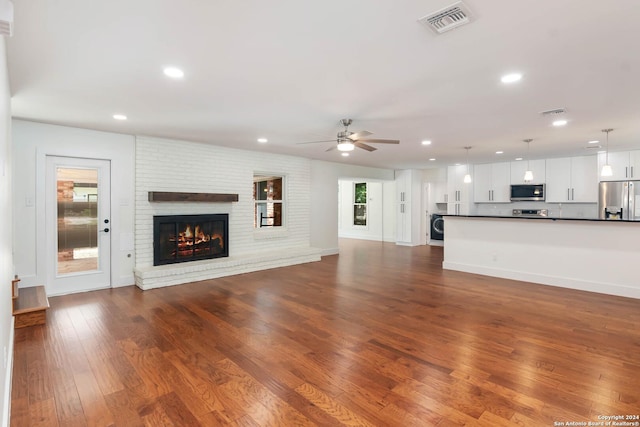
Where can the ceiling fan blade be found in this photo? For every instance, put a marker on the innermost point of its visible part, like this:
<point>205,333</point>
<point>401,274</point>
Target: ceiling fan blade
<point>315,142</point>
<point>364,146</point>
<point>331,149</point>
<point>359,135</point>
<point>380,141</point>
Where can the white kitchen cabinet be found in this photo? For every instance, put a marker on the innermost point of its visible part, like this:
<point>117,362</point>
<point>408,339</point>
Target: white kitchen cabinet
<point>408,190</point>
<point>459,193</point>
<point>624,164</point>
<point>491,183</point>
<point>572,180</point>
<point>538,167</point>
<point>439,194</point>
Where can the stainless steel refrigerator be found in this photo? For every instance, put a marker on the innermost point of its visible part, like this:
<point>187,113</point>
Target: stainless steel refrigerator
<point>619,200</point>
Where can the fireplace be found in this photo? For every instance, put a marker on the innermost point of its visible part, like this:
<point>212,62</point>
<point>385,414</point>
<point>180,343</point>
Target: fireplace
<point>183,238</point>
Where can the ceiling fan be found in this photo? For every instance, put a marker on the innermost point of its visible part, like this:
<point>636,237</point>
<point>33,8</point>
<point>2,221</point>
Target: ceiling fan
<point>347,140</point>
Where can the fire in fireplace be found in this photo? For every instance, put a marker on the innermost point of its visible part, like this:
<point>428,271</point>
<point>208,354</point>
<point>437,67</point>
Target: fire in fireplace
<point>183,238</point>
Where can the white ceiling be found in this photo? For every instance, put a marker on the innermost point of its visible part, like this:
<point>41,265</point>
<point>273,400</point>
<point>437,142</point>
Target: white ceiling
<point>289,70</point>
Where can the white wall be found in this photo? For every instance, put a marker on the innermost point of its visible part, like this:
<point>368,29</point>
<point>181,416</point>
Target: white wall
<point>181,166</point>
<point>32,142</point>
<point>6,258</point>
<point>324,200</point>
<point>377,221</point>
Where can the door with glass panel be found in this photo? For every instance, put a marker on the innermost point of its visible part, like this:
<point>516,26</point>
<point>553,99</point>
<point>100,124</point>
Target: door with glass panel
<point>78,225</point>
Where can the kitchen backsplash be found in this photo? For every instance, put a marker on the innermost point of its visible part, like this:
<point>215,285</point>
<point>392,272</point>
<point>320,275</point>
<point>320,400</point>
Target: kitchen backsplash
<point>556,210</point>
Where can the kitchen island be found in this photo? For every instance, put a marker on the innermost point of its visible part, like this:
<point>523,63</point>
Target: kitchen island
<point>587,254</point>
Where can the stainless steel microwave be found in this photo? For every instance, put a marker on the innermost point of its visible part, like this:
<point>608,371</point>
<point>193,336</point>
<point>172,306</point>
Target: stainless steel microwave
<point>527,192</point>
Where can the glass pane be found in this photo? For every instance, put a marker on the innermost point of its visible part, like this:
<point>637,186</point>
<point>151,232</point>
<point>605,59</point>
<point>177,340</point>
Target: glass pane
<point>361,192</point>
<point>276,186</point>
<point>268,214</point>
<point>359,214</point>
<point>77,220</point>
<point>262,192</point>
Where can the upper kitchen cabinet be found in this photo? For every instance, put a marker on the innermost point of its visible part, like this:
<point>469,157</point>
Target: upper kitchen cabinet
<point>572,180</point>
<point>459,193</point>
<point>624,164</point>
<point>538,167</point>
<point>491,183</point>
<point>439,193</point>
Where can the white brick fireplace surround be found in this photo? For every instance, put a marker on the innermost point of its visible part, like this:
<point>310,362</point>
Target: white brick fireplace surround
<point>179,166</point>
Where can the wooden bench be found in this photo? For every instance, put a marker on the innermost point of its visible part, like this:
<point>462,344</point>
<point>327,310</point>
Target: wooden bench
<point>29,305</point>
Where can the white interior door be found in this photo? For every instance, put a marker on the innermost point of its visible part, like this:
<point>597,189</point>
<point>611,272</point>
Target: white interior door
<point>78,225</point>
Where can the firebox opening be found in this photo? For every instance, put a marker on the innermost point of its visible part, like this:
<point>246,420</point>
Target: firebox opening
<point>183,238</point>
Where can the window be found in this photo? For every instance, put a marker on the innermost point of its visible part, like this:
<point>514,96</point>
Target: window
<point>268,200</point>
<point>360,203</point>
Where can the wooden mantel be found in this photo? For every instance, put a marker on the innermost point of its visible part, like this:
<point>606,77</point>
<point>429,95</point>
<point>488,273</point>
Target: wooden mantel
<point>167,196</point>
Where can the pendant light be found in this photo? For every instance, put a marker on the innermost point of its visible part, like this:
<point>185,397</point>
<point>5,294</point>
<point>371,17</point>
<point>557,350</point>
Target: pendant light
<point>467,177</point>
<point>606,169</point>
<point>528,175</point>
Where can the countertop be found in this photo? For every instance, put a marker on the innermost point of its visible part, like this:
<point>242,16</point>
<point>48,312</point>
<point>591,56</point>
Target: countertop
<point>547,218</point>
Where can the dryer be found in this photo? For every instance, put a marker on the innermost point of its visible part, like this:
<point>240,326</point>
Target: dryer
<point>437,227</point>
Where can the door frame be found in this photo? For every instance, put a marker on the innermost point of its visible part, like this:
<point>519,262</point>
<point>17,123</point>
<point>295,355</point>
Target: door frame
<point>43,257</point>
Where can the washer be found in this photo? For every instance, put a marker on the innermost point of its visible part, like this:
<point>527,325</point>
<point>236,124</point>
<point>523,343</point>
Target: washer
<point>437,227</point>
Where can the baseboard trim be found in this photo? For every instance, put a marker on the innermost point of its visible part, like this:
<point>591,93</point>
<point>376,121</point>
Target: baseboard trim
<point>8,376</point>
<point>563,282</point>
<point>329,251</point>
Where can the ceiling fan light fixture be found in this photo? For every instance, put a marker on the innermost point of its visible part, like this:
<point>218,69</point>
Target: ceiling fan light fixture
<point>346,146</point>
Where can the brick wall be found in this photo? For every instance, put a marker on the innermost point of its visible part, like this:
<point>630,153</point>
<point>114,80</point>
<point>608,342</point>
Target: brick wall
<point>167,165</point>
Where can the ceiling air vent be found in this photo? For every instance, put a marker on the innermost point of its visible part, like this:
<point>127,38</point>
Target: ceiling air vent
<point>554,112</point>
<point>448,18</point>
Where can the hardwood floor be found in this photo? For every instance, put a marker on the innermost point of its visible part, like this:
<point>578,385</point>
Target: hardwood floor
<point>379,335</point>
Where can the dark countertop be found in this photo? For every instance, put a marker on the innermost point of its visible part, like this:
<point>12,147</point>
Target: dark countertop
<point>547,218</point>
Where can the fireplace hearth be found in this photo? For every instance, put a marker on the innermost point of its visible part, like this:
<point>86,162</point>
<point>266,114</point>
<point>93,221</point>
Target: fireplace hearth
<point>184,238</point>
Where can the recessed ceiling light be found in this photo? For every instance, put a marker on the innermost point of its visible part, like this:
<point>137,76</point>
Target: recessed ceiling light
<point>511,78</point>
<point>173,72</point>
<point>499,152</point>
<point>120,117</point>
<point>559,123</point>
<point>344,154</point>
<point>263,140</point>
<point>432,159</point>
<point>426,142</point>
<point>593,142</point>
<point>518,158</point>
